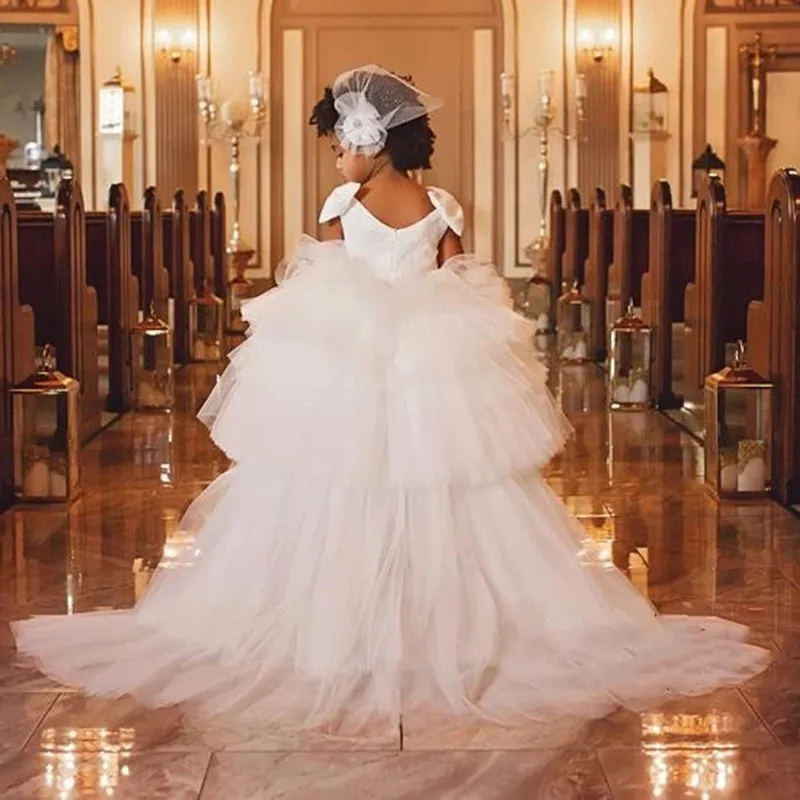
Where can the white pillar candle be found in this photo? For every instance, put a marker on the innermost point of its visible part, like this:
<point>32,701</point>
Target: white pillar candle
<point>638,391</point>
<point>37,480</point>
<point>753,476</point>
<point>728,478</point>
<point>58,484</point>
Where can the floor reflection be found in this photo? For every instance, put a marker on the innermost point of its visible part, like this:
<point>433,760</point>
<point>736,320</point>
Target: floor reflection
<point>634,482</point>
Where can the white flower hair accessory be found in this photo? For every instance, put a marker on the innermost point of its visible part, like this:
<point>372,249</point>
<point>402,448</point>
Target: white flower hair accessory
<point>370,102</point>
<point>359,127</point>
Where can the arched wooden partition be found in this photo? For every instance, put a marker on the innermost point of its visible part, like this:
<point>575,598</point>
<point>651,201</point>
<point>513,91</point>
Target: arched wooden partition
<point>16,334</point>
<point>452,51</point>
<point>705,347</point>
<point>773,328</point>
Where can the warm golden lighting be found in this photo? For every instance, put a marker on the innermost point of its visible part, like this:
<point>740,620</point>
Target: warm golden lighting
<point>695,753</point>
<point>80,762</point>
<point>175,45</point>
<point>598,43</point>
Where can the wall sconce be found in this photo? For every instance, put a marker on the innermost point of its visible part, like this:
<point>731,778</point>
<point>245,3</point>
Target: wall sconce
<point>598,44</point>
<point>175,47</point>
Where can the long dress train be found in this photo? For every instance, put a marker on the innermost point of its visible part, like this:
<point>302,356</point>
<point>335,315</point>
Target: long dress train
<point>384,540</point>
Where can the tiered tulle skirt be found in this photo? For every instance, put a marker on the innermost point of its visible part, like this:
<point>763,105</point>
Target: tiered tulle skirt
<point>384,540</point>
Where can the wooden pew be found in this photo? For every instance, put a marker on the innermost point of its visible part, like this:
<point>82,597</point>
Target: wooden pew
<point>671,268</point>
<point>54,282</point>
<point>599,258</point>
<point>555,249</point>
<point>123,299</point>
<point>200,243</point>
<point>576,245</point>
<point>108,256</point>
<point>630,253</point>
<point>219,245</point>
<point>772,329</point>
<point>729,274</point>
<point>17,336</point>
<point>147,249</point>
<point>175,221</point>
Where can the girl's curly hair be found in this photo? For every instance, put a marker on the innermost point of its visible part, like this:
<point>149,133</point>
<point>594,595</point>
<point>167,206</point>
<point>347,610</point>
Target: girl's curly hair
<point>409,146</point>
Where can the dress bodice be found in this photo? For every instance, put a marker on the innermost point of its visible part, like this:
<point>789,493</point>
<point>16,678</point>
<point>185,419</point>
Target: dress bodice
<point>393,253</point>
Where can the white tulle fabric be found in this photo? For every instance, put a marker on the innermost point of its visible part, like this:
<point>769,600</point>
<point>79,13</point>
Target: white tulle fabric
<point>384,541</point>
<point>370,101</point>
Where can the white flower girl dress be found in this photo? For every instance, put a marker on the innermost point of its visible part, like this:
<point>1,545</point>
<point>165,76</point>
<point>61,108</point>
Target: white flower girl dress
<point>384,540</point>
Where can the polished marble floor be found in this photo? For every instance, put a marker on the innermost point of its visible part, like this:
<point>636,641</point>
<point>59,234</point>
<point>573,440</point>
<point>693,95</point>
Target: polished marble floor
<point>632,479</point>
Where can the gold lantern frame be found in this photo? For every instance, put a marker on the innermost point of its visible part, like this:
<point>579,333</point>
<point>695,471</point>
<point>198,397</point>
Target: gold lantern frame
<point>721,461</point>
<point>39,467</point>
<point>239,290</point>
<point>206,345</point>
<point>573,347</point>
<point>158,392</point>
<point>542,319</point>
<point>629,326</point>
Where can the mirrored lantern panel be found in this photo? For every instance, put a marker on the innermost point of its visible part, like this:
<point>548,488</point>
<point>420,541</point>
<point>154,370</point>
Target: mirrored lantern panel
<point>153,357</point>
<point>738,443</point>
<point>630,364</point>
<point>574,321</point>
<point>240,289</point>
<point>206,312</point>
<point>535,303</point>
<point>46,435</point>
<point>614,311</point>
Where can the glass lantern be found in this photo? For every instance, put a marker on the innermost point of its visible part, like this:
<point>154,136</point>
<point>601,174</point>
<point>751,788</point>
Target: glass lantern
<point>738,442</point>
<point>651,106</point>
<point>534,302</point>
<point>55,168</point>
<point>116,106</point>
<point>153,357</point>
<point>46,431</point>
<point>574,323</point>
<point>206,312</point>
<point>240,289</point>
<point>630,363</point>
<point>707,163</point>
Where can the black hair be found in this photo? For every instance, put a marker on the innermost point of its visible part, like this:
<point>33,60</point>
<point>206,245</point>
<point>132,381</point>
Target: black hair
<point>409,146</point>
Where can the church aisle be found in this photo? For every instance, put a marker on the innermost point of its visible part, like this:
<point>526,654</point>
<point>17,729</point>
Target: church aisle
<point>631,479</point>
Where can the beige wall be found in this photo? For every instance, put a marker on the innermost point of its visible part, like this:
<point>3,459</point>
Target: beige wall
<point>534,40</point>
<point>783,119</point>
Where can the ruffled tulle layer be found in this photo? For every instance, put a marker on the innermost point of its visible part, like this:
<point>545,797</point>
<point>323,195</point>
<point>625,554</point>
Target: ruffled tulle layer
<point>384,541</point>
<point>351,601</point>
<point>427,381</point>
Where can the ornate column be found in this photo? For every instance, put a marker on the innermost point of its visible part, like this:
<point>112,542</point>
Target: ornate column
<point>756,146</point>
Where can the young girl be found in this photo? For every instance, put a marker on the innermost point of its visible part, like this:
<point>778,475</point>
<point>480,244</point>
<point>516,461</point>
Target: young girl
<point>384,540</point>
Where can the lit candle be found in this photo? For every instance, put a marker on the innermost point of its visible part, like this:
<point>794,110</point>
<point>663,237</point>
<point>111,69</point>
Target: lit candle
<point>256,85</point>
<point>546,85</point>
<point>203,88</point>
<point>505,86</point>
<point>581,89</point>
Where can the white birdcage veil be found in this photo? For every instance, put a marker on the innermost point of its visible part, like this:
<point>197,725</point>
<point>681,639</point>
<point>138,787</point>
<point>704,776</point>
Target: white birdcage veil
<point>370,101</point>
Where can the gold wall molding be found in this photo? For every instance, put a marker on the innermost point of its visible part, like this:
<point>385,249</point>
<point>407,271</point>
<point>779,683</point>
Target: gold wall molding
<point>177,138</point>
<point>599,156</point>
<point>268,158</point>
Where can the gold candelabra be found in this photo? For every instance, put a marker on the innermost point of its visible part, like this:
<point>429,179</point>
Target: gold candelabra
<point>543,127</point>
<point>232,121</point>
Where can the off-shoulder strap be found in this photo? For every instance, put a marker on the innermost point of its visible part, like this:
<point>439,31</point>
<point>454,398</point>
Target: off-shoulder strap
<point>449,208</point>
<point>339,202</point>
